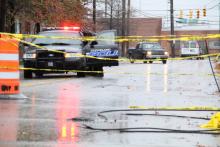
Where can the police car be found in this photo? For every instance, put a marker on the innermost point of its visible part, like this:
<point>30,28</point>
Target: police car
<point>61,50</point>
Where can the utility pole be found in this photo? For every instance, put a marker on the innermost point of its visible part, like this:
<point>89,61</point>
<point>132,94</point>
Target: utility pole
<point>123,29</point>
<point>111,14</point>
<point>128,20</point>
<point>219,17</point>
<point>172,28</point>
<point>94,15</point>
<point>3,8</point>
<point>106,8</point>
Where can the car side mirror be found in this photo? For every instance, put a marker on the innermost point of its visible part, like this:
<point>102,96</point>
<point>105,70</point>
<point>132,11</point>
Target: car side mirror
<point>25,45</point>
<point>93,43</point>
<point>84,43</point>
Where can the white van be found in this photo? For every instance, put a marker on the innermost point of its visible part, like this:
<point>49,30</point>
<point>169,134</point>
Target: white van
<point>190,48</point>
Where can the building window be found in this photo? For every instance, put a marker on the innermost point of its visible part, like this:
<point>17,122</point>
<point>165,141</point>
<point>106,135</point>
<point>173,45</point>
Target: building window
<point>215,44</point>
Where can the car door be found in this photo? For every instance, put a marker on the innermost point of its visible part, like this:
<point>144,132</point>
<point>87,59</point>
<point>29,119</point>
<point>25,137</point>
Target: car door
<point>105,45</point>
<point>138,52</point>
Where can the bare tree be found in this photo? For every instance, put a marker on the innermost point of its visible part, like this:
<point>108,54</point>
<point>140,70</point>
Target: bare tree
<point>48,12</point>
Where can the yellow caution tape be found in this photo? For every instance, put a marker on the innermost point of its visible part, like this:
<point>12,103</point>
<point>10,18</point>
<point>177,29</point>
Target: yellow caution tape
<point>194,108</point>
<point>118,59</point>
<point>126,73</point>
<point>124,38</point>
<point>121,59</point>
<point>214,122</point>
<point>115,72</point>
<point>18,38</point>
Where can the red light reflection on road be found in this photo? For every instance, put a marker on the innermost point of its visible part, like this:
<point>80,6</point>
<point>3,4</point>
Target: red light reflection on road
<point>8,121</point>
<point>67,107</point>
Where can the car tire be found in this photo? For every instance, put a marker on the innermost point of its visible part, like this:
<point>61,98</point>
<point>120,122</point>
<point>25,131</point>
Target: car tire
<point>131,58</point>
<point>100,71</point>
<point>164,61</point>
<point>28,74</point>
<point>145,61</point>
<point>39,75</point>
<point>80,74</point>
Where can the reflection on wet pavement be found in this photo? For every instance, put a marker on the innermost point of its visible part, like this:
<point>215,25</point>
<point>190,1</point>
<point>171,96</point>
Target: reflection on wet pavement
<point>47,117</point>
<point>8,123</point>
<point>66,108</point>
<point>150,78</point>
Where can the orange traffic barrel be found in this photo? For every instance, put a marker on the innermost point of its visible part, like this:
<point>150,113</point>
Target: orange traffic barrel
<point>9,66</point>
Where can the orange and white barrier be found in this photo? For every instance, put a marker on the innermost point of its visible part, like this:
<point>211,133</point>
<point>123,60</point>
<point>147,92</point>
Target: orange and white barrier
<point>9,66</point>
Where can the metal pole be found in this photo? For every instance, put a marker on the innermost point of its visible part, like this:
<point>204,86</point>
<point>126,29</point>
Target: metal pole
<point>128,21</point>
<point>172,28</point>
<point>210,62</point>
<point>219,17</point>
<point>111,14</point>
<point>3,8</point>
<point>123,25</point>
<point>94,15</point>
<point>106,8</point>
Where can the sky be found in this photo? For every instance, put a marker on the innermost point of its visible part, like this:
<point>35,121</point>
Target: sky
<point>160,8</point>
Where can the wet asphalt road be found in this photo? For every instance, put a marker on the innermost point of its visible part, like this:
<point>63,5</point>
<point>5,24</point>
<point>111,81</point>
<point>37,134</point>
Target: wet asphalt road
<point>45,118</point>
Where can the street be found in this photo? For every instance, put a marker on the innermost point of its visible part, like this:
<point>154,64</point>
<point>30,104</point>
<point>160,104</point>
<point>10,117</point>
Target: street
<point>58,107</point>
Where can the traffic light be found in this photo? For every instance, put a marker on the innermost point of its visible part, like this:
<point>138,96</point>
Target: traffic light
<point>204,12</point>
<point>181,14</point>
<point>190,14</point>
<point>198,13</point>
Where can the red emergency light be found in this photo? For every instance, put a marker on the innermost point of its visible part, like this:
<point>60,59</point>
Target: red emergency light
<point>74,28</point>
<point>68,25</point>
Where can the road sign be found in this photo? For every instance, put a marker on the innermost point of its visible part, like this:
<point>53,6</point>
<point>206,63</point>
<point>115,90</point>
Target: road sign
<point>187,21</point>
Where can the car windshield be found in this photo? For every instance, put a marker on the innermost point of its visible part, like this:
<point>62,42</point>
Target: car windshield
<point>58,41</point>
<point>193,44</point>
<point>151,46</point>
<point>185,44</point>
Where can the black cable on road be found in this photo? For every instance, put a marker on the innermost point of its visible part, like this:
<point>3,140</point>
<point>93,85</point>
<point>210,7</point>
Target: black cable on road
<point>213,72</point>
<point>208,133</point>
<point>165,115</point>
<point>155,130</point>
<point>101,114</point>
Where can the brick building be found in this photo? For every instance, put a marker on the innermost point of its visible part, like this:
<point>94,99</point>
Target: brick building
<point>213,44</point>
<point>138,27</point>
<point>153,27</point>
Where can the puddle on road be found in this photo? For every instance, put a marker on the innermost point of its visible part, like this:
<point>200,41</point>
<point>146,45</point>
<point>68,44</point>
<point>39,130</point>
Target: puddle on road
<point>31,127</point>
<point>57,128</point>
<point>8,122</point>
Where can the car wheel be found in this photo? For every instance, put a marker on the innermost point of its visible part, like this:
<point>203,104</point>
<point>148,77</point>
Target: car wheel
<point>100,72</point>
<point>80,74</point>
<point>131,59</point>
<point>150,62</point>
<point>27,74</point>
<point>164,61</point>
<point>145,61</point>
<point>39,75</point>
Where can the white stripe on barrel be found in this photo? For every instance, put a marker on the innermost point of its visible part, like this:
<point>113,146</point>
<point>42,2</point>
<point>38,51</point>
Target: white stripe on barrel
<point>12,57</point>
<point>9,75</point>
